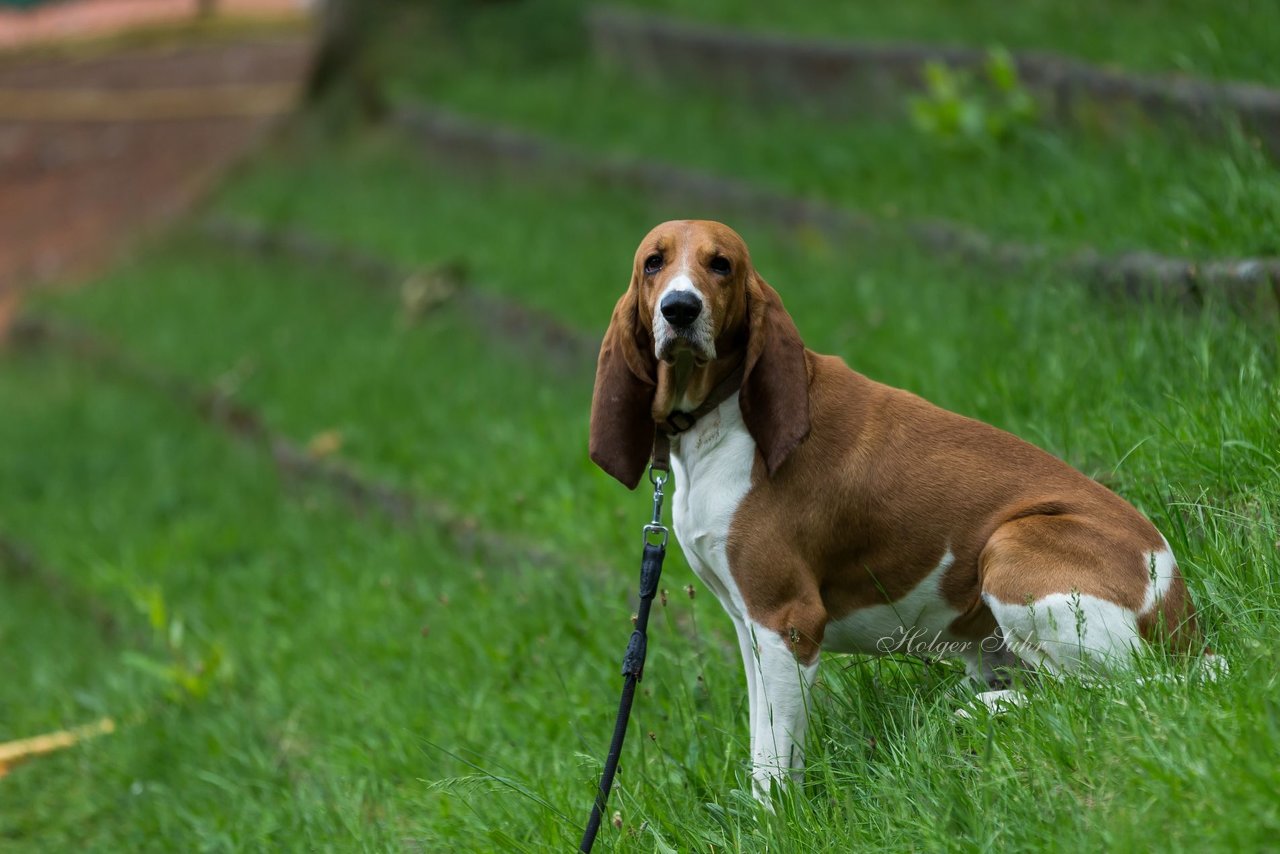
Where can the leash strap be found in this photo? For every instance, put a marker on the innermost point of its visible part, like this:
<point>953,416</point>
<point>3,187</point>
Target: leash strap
<point>650,572</point>
<point>661,452</point>
<point>637,647</point>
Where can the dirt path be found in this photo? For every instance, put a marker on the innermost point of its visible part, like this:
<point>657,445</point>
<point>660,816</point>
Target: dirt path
<point>86,19</point>
<point>97,149</point>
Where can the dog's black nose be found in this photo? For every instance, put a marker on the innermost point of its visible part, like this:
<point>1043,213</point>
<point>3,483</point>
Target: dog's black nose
<point>681,308</point>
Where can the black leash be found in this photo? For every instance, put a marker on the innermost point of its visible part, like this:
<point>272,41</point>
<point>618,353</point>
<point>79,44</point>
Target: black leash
<point>633,661</point>
<point>650,572</point>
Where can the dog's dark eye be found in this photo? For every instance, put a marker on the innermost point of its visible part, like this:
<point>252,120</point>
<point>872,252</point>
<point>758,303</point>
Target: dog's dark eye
<point>720,264</point>
<point>653,263</point>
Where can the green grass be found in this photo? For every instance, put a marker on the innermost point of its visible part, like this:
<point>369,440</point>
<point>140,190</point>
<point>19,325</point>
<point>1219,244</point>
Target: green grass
<point>1114,186</point>
<point>290,674</point>
<point>346,650</point>
<point>1223,40</point>
<point>326,719</point>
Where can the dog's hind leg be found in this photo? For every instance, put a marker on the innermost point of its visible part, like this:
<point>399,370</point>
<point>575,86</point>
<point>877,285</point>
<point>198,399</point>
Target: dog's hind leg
<point>1072,596</point>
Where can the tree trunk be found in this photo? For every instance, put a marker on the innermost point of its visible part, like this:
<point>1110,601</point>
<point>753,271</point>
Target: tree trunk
<point>346,27</point>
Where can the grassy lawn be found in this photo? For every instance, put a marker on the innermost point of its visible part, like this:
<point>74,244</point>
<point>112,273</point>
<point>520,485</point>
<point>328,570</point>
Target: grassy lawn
<point>292,676</point>
<point>332,658</point>
<point>1117,187</point>
<point>290,673</point>
<point>1225,40</point>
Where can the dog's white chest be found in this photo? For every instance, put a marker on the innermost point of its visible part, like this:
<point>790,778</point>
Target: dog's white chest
<point>712,465</point>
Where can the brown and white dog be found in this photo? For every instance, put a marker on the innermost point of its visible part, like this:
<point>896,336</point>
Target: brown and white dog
<point>828,511</point>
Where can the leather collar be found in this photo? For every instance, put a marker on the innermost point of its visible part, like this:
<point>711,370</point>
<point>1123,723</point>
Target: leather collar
<point>678,421</point>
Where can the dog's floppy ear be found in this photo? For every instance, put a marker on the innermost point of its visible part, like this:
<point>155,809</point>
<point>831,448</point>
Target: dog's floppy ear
<point>775,387</point>
<point>621,421</point>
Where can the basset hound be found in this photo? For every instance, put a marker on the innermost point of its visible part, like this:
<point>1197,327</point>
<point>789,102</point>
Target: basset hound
<point>827,511</point>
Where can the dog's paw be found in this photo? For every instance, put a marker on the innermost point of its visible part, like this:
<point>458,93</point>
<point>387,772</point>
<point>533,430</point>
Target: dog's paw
<point>996,703</point>
<point>1214,667</point>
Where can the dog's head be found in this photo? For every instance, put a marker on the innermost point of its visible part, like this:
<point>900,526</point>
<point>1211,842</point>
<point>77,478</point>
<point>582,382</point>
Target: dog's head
<point>694,308</point>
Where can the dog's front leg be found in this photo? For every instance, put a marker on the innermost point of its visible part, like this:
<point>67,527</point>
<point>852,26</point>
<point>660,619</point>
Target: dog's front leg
<point>747,646</point>
<point>780,713</point>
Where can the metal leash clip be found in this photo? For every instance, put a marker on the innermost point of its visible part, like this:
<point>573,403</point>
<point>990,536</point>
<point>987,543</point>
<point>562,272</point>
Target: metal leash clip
<point>659,479</point>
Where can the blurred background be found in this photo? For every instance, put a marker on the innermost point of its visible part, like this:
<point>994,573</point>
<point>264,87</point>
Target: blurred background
<point>299,309</point>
